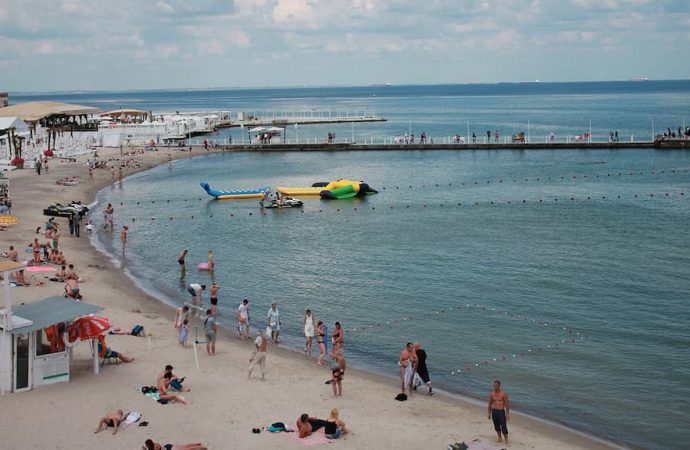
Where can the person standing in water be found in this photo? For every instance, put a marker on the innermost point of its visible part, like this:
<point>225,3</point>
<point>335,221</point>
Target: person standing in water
<point>211,261</point>
<point>214,298</point>
<point>499,411</point>
<point>123,237</point>
<point>180,259</point>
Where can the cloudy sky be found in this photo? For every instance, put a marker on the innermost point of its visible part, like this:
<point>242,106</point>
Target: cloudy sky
<point>50,45</point>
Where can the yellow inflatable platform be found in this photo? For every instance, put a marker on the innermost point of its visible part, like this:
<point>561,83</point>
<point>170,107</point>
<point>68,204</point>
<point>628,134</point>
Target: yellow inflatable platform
<point>317,190</point>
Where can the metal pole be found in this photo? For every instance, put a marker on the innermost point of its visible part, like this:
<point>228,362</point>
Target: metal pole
<point>196,354</point>
<point>468,131</point>
<point>653,133</point>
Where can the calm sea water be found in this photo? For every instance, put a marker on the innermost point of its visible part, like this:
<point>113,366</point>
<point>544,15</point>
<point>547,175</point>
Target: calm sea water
<point>614,269</point>
<point>633,108</point>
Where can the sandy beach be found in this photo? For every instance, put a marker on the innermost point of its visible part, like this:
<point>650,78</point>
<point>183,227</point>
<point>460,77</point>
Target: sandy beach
<point>224,405</point>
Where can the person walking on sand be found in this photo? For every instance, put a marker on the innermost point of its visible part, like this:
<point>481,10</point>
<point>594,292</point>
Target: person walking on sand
<point>36,249</point>
<point>211,261</point>
<point>273,321</point>
<point>408,365</point>
<point>258,357</point>
<point>499,411</point>
<point>308,326</point>
<point>338,372</point>
<point>37,165</point>
<point>77,224</point>
<point>421,366</point>
<point>210,328</point>
<point>123,237</point>
<point>243,319</point>
<point>321,340</point>
<point>196,291</point>
<point>91,173</point>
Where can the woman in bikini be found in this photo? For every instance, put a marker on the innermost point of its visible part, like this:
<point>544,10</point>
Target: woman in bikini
<point>151,445</point>
<point>321,340</point>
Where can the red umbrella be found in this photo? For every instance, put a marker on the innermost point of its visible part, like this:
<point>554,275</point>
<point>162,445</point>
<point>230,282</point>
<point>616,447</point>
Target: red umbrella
<point>90,327</point>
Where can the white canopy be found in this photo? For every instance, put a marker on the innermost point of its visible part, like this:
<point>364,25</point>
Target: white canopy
<point>13,122</point>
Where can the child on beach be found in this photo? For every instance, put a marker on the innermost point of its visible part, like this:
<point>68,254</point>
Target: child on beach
<point>184,333</point>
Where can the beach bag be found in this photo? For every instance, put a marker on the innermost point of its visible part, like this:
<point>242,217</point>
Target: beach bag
<point>136,331</point>
<point>269,332</point>
<point>401,397</point>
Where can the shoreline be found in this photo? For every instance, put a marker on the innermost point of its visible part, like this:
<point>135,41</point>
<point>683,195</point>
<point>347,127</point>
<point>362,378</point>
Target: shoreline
<point>156,315</point>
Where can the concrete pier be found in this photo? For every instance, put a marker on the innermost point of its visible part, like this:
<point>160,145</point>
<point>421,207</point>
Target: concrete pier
<point>678,144</point>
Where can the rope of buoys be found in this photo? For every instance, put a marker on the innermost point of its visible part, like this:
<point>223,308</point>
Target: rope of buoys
<point>530,351</point>
<point>554,200</point>
<point>468,306</point>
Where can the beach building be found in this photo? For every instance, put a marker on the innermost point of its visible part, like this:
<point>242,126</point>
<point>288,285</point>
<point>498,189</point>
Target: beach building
<point>33,351</point>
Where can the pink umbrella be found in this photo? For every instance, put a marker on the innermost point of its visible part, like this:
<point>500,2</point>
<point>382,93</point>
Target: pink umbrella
<point>90,327</point>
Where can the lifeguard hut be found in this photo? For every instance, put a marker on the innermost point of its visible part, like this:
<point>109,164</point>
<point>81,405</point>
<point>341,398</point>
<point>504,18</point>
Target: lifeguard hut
<point>32,347</point>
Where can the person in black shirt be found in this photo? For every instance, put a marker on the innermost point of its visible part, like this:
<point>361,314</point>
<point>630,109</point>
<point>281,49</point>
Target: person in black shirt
<point>421,366</point>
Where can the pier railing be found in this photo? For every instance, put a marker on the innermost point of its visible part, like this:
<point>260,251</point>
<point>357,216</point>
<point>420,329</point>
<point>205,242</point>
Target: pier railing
<point>445,140</point>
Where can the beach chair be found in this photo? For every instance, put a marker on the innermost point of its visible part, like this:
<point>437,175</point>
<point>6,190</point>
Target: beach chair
<point>109,356</point>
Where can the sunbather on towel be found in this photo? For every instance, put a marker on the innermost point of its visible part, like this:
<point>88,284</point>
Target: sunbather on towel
<point>308,425</point>
<point>112,419</point>
<point>175,381</point>
<point>150,445</point>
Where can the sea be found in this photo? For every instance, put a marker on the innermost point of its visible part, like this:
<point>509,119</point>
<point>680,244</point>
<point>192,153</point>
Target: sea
<point>563,273</point>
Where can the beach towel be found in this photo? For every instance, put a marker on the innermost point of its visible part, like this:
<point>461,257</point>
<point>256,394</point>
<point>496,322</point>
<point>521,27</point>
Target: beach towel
<point>314,440</point>
<point>131,418</point>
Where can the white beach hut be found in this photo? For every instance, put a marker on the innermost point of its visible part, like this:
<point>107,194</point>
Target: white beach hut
<point>32,350</point>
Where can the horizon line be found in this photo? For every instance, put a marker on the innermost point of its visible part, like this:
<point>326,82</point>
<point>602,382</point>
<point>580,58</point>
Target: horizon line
<point>316,86</point>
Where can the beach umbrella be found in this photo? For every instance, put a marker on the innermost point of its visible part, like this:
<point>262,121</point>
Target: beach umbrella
<point>90,327</point>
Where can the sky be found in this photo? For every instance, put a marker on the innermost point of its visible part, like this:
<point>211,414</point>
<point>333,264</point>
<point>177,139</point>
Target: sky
<point>55,45</point>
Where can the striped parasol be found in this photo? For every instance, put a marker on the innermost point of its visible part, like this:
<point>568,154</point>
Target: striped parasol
<point>90,327</point>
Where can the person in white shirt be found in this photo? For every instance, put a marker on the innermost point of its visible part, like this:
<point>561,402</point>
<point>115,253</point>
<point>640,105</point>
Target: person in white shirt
<point>273,319</point>
<point>196,291</point>
<point>243,319</point>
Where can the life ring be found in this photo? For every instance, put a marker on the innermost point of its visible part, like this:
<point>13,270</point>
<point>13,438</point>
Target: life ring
<point>71,337</point>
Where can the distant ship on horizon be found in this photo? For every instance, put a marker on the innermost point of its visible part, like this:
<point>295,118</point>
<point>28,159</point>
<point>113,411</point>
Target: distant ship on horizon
<point>638,79</point>
<point>381,85</point>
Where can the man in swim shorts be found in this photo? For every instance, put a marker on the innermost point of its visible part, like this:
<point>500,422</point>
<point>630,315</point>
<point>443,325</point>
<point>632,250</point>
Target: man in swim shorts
<point>196,291</point>
<point>308,425</point>
<point>499,411</point>
<point>214,297</point>
<point>408,366</point>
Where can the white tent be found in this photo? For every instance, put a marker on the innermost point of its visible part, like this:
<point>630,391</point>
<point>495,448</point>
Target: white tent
<point>13,122</point>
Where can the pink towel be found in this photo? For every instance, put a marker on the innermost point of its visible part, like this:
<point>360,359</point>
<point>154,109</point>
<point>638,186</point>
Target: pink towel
<point>315,439</point>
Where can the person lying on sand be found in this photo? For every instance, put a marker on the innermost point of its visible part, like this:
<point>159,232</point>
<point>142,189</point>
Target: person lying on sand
<point>308,425</point>
<point>112,419</point>
<point>137,330</point>
<point>151,445</point>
